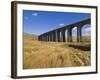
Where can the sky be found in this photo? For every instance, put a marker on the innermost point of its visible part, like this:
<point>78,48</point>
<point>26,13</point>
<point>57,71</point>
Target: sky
<point>38,22</point>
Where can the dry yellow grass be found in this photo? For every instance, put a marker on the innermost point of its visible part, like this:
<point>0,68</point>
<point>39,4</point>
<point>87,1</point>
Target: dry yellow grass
<point>39,54</point>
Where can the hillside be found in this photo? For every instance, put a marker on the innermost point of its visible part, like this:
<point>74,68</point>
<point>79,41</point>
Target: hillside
<point>29,36</point>
<point>41,54</point>
<point>45,54</point>
<point>84,38</point>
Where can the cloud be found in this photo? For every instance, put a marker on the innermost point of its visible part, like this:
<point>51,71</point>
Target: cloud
<point>75,29</point>
<point>61,24</point>
<point>87,31</point>
<point>34,14</point>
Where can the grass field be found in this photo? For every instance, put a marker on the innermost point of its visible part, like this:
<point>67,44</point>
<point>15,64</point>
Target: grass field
<point>38,54</point>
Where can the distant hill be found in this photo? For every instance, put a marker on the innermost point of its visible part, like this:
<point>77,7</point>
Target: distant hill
<point>84,38</point>
<point>30,36</point>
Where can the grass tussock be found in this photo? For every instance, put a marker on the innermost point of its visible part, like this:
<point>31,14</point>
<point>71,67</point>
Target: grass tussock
<point>38,54</point>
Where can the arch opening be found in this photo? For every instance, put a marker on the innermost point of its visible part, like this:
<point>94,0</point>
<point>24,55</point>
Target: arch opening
<point>66,35</point>
<point>74,34</point>
<point>86,33</point>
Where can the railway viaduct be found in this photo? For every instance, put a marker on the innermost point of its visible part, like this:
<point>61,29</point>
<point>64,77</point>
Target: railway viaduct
<point>58,35</point>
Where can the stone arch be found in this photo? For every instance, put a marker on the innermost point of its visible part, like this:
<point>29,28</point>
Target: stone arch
<point>66,35</point>
<point>86,33</point>
<point>74,34</point>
